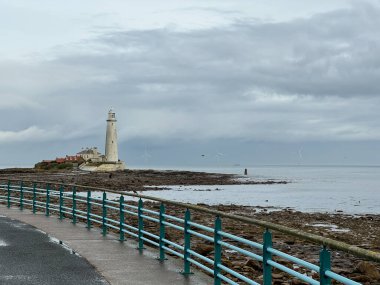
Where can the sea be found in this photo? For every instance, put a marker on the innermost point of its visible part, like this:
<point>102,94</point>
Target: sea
<point>332,189</point>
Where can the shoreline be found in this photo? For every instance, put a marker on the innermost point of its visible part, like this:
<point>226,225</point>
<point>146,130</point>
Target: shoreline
<point>133,179</point>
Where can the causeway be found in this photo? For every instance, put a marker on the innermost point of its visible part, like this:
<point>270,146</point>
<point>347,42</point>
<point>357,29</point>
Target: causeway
<point>118,262</point>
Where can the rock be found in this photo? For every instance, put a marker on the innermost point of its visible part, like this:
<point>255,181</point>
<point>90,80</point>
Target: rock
<point>277,282</point>
<point>278,275</point>
<point>315,275</point>
<point>228,263</point>
<point>361,278</point>
<point>368,269</point>
<point>247,268</point>
<point>203,249</point>
<point>181,241</point>
<point>341,271</point>
<point>289,242</point>
<point>254,264</point>
<point>296,281</point>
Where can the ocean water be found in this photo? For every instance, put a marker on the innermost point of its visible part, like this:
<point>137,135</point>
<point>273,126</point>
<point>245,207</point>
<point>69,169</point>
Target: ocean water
<point>347,189</point>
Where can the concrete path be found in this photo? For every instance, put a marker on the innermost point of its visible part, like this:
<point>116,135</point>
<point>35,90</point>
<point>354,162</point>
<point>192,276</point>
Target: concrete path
<point>119,263</point>
<point>28,256</point>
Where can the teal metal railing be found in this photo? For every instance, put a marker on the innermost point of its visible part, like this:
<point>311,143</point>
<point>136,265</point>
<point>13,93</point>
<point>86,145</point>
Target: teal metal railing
<point>65,201</point>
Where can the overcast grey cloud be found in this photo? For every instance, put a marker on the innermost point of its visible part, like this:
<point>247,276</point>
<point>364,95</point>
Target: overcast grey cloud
<point>310,81</point>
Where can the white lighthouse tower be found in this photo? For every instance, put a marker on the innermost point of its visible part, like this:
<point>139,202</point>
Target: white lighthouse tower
<point>111,153</point>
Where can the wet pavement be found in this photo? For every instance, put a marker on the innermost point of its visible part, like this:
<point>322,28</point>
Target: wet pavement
<point>119,262</point>
<point>29,256</point>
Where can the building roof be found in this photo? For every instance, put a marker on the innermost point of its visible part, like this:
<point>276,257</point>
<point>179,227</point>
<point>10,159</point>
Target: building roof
<point>89,151</point>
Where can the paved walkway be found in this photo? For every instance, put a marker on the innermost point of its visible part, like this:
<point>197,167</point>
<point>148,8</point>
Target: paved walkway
<point>119,263</point>
<point>28,256</point>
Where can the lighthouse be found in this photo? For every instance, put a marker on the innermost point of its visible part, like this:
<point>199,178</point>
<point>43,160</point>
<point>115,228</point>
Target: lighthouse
<point>94,161</point>
<point>111,153</point>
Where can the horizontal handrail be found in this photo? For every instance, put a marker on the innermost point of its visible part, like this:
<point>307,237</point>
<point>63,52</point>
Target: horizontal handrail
<point>333,244</point>
<point>294,259</point>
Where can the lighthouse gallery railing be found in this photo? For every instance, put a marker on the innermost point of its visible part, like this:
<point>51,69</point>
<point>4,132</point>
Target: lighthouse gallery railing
<point>65,201</point>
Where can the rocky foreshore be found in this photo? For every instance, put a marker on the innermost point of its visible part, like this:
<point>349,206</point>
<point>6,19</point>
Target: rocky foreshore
<point>131,180</point>
<point>362,231</point>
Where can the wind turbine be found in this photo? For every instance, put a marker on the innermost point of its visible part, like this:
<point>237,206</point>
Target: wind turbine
<point>219,156</point>
<point>146,155</point>
<point>300,156</point>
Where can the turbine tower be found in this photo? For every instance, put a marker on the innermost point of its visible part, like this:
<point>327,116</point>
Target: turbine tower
<point>111,138</point>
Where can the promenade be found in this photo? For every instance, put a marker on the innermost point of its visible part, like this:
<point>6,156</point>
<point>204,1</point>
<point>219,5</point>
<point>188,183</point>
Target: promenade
<point>28,256</point>
<point>118,262</point>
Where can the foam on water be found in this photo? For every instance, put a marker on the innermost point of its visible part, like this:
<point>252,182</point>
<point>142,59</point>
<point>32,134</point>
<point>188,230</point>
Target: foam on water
<point>331,227</point>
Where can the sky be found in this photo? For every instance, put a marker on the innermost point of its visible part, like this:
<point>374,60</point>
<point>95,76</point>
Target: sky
<point>193,83</point>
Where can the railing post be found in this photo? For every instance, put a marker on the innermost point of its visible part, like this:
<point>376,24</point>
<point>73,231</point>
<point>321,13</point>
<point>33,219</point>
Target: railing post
<point>9,194</point>
<point>89,210</point>
<point>121,219</point>
<point>187,237</point>
<point>217,250</point>
<point>74,210</point>
<point>267,276</point>
<point>140,224</point>
<point>162,232</point>
<point>104,215</point>
<point>34,198</point>
<point>47,213</point>
<point>324,265</point>
<point>21,195</point>
<point>61,202</point>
